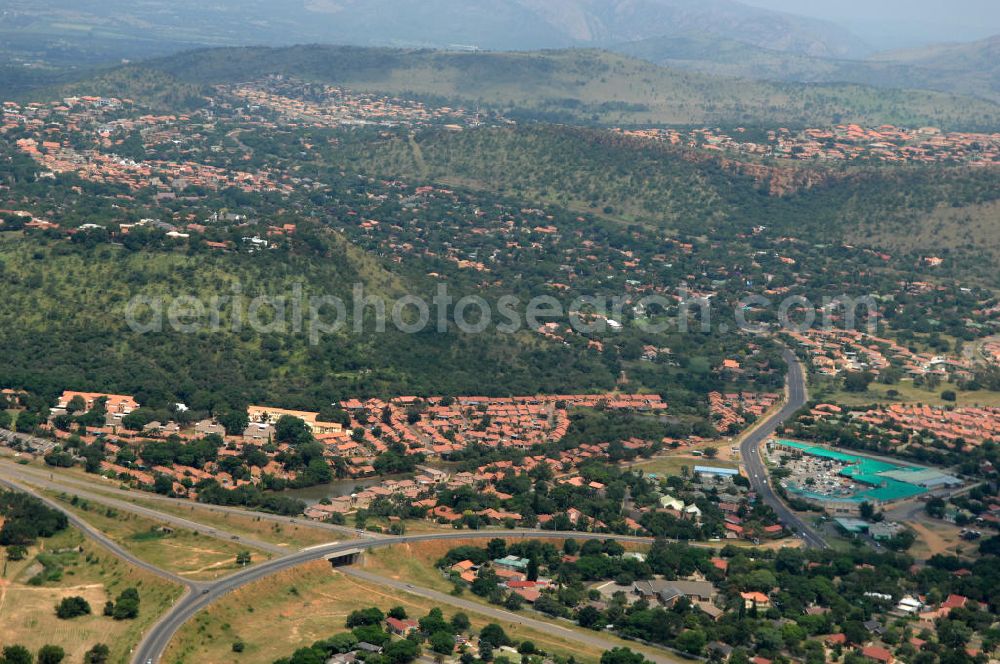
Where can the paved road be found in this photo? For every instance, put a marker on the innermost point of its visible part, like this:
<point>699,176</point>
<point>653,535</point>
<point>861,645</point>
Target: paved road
<point>108,487</point>
<point>59,484</point>
<point>756,470</point>
<point>199,595</point>
<point>203,595</point>
<point>502,616</point>
<point>100,537</point>
<point>157,639</point>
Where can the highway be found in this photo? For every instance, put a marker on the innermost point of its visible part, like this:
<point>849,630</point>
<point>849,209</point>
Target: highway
<point>159,636</point>
<point>796,397</point>
<point>101,538</point>
<point>42,480</point>
<point>200,595</point>
<point>98,483</point>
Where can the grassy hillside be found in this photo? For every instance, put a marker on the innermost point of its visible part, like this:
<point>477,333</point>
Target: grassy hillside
<point>579,86</point>
<point>635,182</point>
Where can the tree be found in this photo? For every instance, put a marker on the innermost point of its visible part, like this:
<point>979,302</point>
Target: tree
<point>532,571</point>
<point>589,617</point>
<point>622,656</point>
<point>16,552</point>
<point>691,641</point>
<point>953,633</point>
<point>235,422</point>
<point>127,605</point>
<point>494,635</point>
<point>935,507</point>
<point>460,622</point>
<point>442,642</point>
<point>401,651</point>
<point>16,655</point>
<point>99,654</point>
<point>50,654</point>
<point>397,612</point>
<point>496,548</point>
<point>243,558</point>
<point>370,616</point>
<point>857,381</point>
<point>855,632</point>
<point>434,622</point>
<point>76,405</point>
<point>163,485</point>
<point>514,602</point>
<point>711,452</point>
<point>343,642</point>
<point>292,430</point>
<point>71,607</point>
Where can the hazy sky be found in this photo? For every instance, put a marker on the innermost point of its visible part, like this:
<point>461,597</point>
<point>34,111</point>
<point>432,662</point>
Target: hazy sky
<point>898,23</point>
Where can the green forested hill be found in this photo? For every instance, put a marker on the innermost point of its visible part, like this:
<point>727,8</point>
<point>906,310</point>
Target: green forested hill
<point>579,86</point>
<point>638,182</point>
<point>63,326</point>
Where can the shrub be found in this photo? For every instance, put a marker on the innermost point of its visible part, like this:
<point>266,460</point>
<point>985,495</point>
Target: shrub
<point>71,607</point>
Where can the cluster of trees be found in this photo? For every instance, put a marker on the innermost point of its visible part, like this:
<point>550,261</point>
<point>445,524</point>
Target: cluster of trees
<point>51,654</point>
<point>434,631</point>
<point>840,582</point>
<point>210,491</point>
<point>125,606</point>
<point>27,518</point>
<point>47,654</point>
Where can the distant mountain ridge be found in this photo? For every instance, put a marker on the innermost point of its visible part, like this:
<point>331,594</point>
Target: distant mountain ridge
<point>487,24</point>
<point>968,69</point>
<point>573,86</point>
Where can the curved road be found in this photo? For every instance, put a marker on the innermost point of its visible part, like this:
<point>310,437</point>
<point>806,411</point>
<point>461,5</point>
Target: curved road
<point>796,397</point>
<point>101,538</point>
<point>29,473</point>
<point>200,595</point>
<point>59,484</point>
<point>159,637</point>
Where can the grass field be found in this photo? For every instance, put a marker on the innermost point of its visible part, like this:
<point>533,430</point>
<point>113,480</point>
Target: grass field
<point>294,608</point>
<point>27,612</point>
<point>297,535</point>
<point>672,464</point>
<point>185,552</point>
<point>294,536</point>
<point>944,227</point>
<point>907,392</point>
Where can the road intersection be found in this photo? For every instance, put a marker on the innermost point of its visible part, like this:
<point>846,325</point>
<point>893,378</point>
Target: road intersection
<point>199,595</point>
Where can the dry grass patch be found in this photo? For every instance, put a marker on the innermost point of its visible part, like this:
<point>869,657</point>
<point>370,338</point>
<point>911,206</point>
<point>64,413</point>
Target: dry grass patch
<point>673,463</point>
<point>184,552</point>
<point>27,612</point>
<point>294,608</point>
<point>247,525</point>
